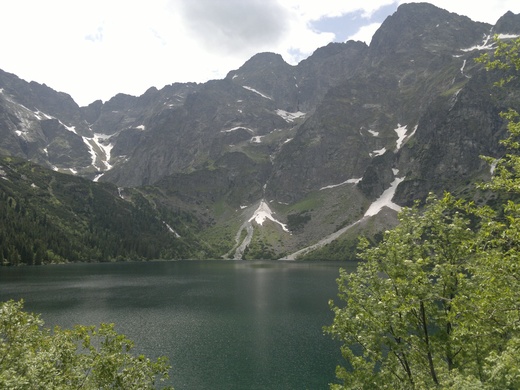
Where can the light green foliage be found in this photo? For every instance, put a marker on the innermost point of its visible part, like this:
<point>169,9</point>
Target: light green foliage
<point>85,357</point>
<point>399,324</point>
<point>436,304</point>
<point>498,263</point>
<point>505,57</point>
<point>507,168</point>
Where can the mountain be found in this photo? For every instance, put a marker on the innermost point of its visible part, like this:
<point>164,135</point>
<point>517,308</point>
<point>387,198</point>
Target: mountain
<point>47,216</point>
<point>277,160</point>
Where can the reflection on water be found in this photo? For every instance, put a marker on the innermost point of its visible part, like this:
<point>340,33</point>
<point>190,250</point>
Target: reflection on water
<point>223,324</point>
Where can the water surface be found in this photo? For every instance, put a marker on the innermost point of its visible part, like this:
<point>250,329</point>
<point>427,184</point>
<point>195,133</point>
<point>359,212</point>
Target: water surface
<point>223,324</point>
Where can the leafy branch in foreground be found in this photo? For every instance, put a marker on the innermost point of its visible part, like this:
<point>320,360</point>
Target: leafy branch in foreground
<point>436,304</point>
<point>505,58</point>
<point>85,357</point>
<point>399,325</point>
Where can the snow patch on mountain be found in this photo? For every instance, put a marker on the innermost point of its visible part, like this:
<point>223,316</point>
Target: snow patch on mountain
<point>2,172</point>
<point>401,135</point>
<point>257,139</point>
<point>105,149</point>
<point>508,36</point>
<point>462,68</point>
<point>488,43</point>
<point>379,152</point>
<point>290,116</point>
<point>72,129</point>
<point>257,92</point>
<point>92,151</point>
<point>412,133</point>
<point>237,128</point>
<point>262,213</point>
<point>493,166</point>
<point>99,151</point>
<point>322,242</point>
<point>385,200</point>
<point>177,235</point>
<point>25,116</point>
<point>41,115</point>
<point>349,181</point>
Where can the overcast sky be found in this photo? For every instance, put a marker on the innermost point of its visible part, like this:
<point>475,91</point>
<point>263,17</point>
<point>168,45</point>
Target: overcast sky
<point>94,49</point>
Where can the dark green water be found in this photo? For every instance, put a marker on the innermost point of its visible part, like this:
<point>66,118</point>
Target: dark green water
<point>223,324</point>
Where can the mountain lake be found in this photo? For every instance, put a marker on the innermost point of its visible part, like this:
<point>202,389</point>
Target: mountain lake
<point>222,324</point>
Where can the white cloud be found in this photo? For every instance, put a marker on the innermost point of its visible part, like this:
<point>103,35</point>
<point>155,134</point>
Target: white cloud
<point>94,49</point>
<point>233,26</point>
<point>314,10</point>
<point>365,33</point>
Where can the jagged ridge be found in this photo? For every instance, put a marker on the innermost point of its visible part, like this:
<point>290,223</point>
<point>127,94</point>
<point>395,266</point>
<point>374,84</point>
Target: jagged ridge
<point>319,142</point>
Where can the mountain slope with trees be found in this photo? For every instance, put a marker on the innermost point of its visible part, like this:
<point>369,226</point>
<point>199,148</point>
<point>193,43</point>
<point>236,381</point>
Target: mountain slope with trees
<point>51,217</point>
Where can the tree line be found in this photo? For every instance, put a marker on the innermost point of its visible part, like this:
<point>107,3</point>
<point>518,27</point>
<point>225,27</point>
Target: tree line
<point>46,217</point>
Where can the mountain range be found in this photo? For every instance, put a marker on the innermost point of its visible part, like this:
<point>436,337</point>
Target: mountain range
<point>275,160</point>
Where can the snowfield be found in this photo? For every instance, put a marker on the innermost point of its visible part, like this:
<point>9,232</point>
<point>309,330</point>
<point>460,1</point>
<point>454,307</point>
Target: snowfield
<point>289,116</point>
<point>257,92</point>
<point>262,213</point>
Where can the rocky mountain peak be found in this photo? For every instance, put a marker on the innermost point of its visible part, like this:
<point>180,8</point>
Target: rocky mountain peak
<point>334,49</point>
<point>509,23</point>
<point>319,141</point>
<point>422,26</point>
<point>259,62</point>
<point>38,97</point>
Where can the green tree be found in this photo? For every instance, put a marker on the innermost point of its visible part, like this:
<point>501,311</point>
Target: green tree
<point>436,304</point>
<point>506,58</point>
<point>496,298</point>
<point>85,357</point>
<point>399,324</point>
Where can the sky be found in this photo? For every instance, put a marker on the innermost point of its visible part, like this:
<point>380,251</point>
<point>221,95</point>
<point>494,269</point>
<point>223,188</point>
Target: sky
<point>94,49</point>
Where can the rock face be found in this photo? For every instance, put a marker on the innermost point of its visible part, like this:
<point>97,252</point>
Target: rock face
<point>319,141</point>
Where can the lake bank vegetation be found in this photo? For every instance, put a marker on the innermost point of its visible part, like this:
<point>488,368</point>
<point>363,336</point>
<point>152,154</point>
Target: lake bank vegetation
<point>436,304</point>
